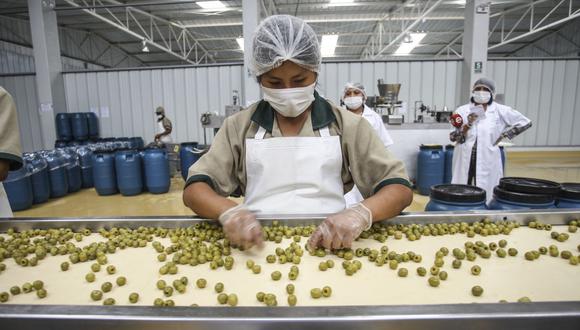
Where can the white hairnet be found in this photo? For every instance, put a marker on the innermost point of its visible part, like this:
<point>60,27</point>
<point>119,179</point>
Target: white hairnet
<point>282,38</point>
<point>357,86</point>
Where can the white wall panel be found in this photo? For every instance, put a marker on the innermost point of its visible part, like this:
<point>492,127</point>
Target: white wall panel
<point>546,91</point>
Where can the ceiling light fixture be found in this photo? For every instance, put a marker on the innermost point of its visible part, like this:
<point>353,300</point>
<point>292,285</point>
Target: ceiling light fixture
<point>328,44</point>
<point>217,5</point>
<point>145,49</point>
<point>337,3</point>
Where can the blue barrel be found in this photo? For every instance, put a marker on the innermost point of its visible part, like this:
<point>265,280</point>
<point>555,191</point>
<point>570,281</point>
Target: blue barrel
<point>104,177</point>
<point>19,189</point>
<point>156,164</point>
<point>86,162</point>
<point>509,200</point>
<point>92,125</point>
<point>56,174</point>
<point>569,196</point>
<point>529,186</point>
<point>430,167</point>
<point>456,197</point>
<point>63,126</point>
<point>38,169</point>
<point>80,126</point>
<point>189,153</point>
<point>448,163</point>
<point>73,170</point>
<point>129,173</point>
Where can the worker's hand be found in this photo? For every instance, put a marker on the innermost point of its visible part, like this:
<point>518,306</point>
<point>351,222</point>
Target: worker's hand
<point>341,229</point>
<point>241,227</point>
<point>4,168</point>
<point>471,118</point>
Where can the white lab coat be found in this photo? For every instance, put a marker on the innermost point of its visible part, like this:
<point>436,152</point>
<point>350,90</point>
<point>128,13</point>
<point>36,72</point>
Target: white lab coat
<point>486,130</point>
<point>354,196</point>
<point>5,211</point>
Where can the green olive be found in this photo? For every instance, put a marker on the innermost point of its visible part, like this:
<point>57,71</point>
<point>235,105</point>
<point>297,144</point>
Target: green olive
<point>250,264</point>
<point>530,256</point>
<point>158,302</point>
<point>37,285</point>
<point>524,300</point>
<point>323,266</point>
<point>290,288</point>
<point>90,277</point>
<point>121,280</point>
<point>161,284</point>
<point>402,272</point>
<point>316,293</point>
<point>109,301</point>
<point>96,295</point>
<point>41,293</point>
<point>501,253</point>
<point>439,262</point>
<point>477,291</point>
<point>456,264</point>
<point>260,296</point>
<point>421,271</point>
<point>106,287</point>
<point>26,287</point>
<point>393,264</point>
<point>15,290</point>
<point>232,299</point>
<point>502,243</point>
<point>219,287</point>
<point>4,296</point>
<point>271,259</point>
<point>201,283</point>
<point>326,291</point>
<point>168,291</point>
<point>111,269</point>
<point>64,266</point>
<point>434,270</point>
<point>512,252</point>
<point>134,297</point>
<point>222,298</point>
<point>292,300</point>
<point>566,254</point>
<point>276,275</point>
<point>434,281</point>
<point>329,263</point>
<point>443,275</point>
<point>475,270</point>
<point>96,267</point>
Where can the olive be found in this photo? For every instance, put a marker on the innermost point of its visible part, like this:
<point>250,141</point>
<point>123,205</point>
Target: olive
<point>219,287</point>
<point>256,269</point>
<point>41,293</point>
<point>276,275</point>
<point>133,297</point>
<point>475,270</point>
<point>222,298</point>
<point>90,277</point>
<point>232,299</point>
<point>421,271</point>
<point>292,300</point>
<point>403,272</point>
<point>109,301</point>
<point>106,287</point>
<point>96,295</point>
<point>121,280</point>
<point>434,281</point>
<point>64,266</point>
<point>290,288</point>
<point>477,291</point>
<point>316,293</point>
<point>111,269</point>
<point>201,283</point>
<point>326,291</point>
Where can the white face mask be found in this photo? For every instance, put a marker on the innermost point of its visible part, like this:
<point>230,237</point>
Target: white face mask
<point>290,102</point>
<point>353,102</point>
<point>481,97</point>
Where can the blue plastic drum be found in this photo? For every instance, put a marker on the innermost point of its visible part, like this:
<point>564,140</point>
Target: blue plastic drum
<point>448,163</point>
<point>189,153</point>
<point>19,189</point>
<point>456,197</point>
<point>104,176</point>
<point>430,168</point>
<point>80,126</point>
<point>38,169</point>
<point>509,200</point>
<point>63,126</point>
<point>156,164</point>
<point>569,196</point>
<point>92,125</point>
<point>129,173</point>
<point>56,173</point>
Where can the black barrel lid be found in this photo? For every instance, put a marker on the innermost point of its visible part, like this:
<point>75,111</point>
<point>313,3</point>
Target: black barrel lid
<point>518,197</point>
<point>431,147</point>
<point>449,146</point>
<point>570,190</point>
<point>457,193</point>
<point>529,185</point>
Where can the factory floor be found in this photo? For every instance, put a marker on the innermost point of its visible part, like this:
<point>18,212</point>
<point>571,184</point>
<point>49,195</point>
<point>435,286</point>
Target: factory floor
<point>561,166</point>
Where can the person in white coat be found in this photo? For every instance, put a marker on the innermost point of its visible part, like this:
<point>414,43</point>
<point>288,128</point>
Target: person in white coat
<point>10,154</point>
<point>354,97</point>
<point>477,158</point>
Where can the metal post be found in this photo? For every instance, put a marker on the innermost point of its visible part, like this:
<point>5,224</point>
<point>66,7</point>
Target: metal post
<point>475,40</point>
<point>49,80</point>
<point>250,16</point>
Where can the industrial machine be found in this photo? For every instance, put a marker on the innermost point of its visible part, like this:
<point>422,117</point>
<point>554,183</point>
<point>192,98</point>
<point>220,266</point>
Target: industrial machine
<point>387,104</point>
<point>424,114</point>
<point>215,120</point>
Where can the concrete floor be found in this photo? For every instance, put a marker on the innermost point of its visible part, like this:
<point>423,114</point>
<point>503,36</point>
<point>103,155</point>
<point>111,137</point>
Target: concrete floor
<point>556,166</point>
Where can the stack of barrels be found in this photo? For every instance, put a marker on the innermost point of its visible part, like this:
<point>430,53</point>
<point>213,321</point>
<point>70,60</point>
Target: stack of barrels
<point>514,193</point>
<point>76,126</point>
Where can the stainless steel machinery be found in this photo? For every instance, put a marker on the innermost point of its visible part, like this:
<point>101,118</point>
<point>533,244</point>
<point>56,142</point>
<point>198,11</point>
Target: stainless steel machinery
<point>215,120</point>
<point>388,104</point>
<point>426,114</point>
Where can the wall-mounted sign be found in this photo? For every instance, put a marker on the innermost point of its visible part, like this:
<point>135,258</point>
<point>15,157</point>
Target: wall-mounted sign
<point>478,67</point>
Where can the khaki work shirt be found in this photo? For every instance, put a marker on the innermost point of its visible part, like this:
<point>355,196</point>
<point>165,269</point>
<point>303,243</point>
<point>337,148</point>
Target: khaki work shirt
<point>365,161</point>
<point>9,133</point>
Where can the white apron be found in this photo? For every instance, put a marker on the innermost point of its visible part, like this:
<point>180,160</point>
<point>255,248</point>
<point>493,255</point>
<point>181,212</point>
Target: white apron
<point>5,210</point>
<point>161,129</point>
<point>294,175</point>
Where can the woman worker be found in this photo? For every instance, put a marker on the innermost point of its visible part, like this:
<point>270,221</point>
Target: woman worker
<point>354,98</point>
<point>477,158</point>
<point>295,153</point>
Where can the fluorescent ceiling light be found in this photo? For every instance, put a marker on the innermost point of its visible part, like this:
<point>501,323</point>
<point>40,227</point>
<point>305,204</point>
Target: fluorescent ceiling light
<point>328,44</point>
<point>211,4</point>
<point>145,49</point>
<point>406,47</point>
<point>337,3</point>
<point>240,42</point>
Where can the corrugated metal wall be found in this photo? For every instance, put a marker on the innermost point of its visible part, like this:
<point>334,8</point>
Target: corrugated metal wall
<point>436,83</point>
<point>547,92</point>
<point>130,98</point>
<point>23,91</point>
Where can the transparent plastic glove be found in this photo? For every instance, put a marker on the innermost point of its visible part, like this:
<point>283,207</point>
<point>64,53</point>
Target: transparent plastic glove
<point>241,227</point>
<point>341,229</point>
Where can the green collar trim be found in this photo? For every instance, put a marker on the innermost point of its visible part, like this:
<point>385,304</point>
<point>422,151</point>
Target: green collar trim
<point>321,115</point>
